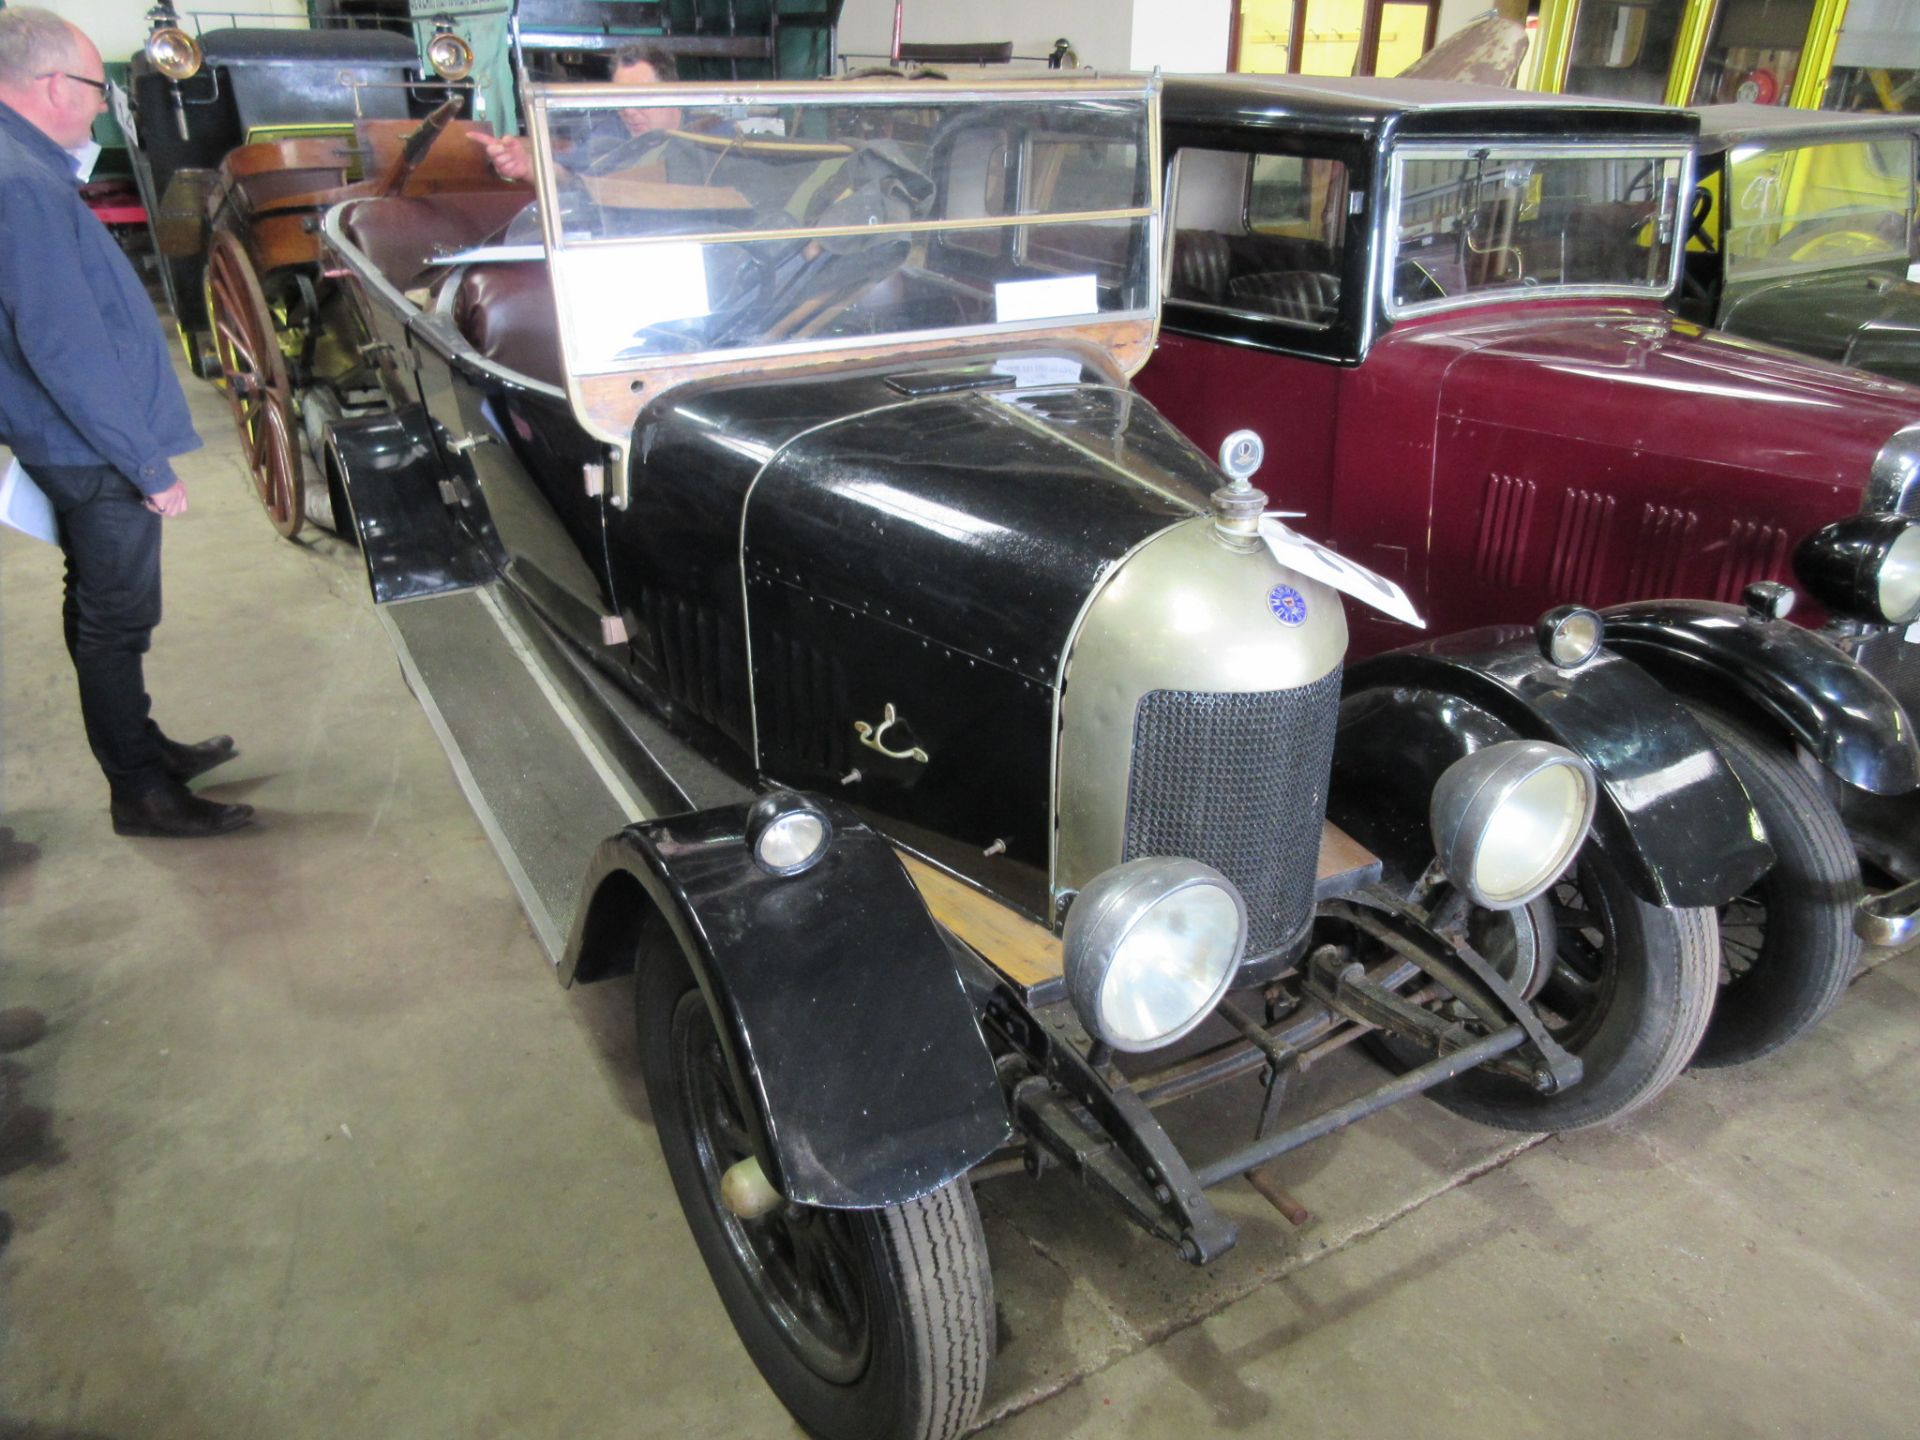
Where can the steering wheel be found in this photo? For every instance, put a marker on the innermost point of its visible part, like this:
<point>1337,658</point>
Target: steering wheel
<point>1413,284</point>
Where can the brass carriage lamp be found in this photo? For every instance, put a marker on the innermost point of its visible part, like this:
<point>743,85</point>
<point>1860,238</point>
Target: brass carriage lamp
<point>170,49</point>
<point>450,56</point>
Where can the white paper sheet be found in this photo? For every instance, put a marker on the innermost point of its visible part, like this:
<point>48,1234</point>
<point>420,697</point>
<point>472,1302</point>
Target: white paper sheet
<point>1045,299</point>
<point>25,507</point>
<point>1039,370</point>
<point>1297,552</point>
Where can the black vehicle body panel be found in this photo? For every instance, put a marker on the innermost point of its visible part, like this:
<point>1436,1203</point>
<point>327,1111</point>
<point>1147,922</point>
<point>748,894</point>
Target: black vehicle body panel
<point>1671,813</point>
<point>1864,317</point>
<point>804,973</point>
<point>1794,678</point>
<point>410,540</point>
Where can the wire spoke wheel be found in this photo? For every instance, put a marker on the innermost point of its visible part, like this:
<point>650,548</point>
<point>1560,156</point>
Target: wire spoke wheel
<point>254,375</point>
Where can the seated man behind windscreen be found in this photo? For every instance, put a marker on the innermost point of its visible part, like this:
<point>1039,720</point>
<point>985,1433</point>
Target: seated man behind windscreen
<point>604,146</point>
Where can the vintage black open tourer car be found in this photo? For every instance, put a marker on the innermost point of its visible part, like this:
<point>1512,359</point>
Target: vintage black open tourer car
<point>825,631</point>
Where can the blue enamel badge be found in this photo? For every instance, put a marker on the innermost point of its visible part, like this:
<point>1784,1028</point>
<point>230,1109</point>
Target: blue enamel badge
<point>1287,605</point>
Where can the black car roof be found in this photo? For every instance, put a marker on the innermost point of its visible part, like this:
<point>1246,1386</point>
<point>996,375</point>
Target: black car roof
<point>1724,126</point>
<point>1408,107</point>
<point>264,46</point>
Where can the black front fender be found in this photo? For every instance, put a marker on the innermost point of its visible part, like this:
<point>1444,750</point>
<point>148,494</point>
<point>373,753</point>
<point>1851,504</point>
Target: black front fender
<point>1673,816</point>
<point>1790,677</point>
<point>840,1009</point>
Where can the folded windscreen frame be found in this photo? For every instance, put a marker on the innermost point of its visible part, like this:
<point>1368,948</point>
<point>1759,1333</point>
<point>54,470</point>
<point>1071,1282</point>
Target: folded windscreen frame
<point>756,225</point>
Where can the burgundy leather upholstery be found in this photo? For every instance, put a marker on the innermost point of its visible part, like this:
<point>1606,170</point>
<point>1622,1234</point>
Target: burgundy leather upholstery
<point>400,234</point>
<point>506,312</point>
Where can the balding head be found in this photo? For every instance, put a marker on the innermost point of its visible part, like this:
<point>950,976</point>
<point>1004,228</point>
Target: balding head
<point>51,74</point>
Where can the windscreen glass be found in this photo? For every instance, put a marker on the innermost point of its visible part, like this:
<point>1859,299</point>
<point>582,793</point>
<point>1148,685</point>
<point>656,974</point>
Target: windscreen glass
<point>1817,206</point>
<point>678,227</point>
<point>1493,223</point>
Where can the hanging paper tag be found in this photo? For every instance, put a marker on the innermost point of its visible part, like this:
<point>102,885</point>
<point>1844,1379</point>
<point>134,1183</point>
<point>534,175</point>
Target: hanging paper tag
<point>1315,561</point>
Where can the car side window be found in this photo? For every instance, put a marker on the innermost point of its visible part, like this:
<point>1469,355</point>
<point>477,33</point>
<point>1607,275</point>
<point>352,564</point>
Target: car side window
<point>1260,235</point>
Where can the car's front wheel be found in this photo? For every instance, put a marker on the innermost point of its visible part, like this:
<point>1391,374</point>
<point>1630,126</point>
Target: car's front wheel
<point>868,1324</point>
<point>1787,945</point>
<point>1626,986</point>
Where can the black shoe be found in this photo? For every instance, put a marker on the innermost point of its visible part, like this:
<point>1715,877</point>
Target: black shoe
<point>183,762</point>
<point>173,812</point>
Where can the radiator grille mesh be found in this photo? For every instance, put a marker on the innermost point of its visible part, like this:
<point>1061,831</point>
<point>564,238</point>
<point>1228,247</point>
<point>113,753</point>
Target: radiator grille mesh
<point>1238,781</point>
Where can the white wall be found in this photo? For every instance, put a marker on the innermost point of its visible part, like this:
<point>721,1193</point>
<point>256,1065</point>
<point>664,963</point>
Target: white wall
<point>1180,35</point>
<point>1099,29</point>
<point>119,27</point>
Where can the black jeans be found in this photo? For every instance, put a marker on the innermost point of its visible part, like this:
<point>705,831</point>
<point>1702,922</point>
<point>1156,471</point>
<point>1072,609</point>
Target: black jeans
<point>112,544</point>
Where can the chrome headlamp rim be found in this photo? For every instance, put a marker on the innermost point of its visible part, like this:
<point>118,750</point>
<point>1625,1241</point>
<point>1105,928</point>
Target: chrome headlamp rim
<point>1110,910</point>
<point>1478,791</point>
<point>786,833</point>
<point>1865,567</point>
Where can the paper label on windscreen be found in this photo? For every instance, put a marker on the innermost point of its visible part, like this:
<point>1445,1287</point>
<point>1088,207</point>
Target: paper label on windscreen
<point>615,292</point>
<point>1038,370</point>
<point>1297,552</point>
<point>1045,299</point>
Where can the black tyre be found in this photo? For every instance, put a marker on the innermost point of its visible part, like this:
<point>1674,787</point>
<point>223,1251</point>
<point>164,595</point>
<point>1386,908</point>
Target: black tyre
<point>1626,986</point>
<point>1787,947</point>
<point>868,1324</point>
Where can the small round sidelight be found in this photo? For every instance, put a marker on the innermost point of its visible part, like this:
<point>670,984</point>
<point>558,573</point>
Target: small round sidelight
<point>1865,566</point>
<point>1768,600</point>
<point>786,833</point>
<point>1151,946</point>
<point>1570,635</point>
<point>1508,819</point>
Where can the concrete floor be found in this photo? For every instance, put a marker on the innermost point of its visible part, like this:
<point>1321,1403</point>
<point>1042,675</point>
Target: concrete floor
<point>298,1138</point>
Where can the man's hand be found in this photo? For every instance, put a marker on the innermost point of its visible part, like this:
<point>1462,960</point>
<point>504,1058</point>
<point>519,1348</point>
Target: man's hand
<point>507,154</point>
<point>169,502</point>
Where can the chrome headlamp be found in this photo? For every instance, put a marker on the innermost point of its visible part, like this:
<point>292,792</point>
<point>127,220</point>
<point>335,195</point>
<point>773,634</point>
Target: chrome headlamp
<point>787,833</point>
<point>1508,819</point>
<point>1151,946</point>
<point>1865,566</point>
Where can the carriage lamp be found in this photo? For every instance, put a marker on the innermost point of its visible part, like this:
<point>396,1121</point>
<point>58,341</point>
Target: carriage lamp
<point>1151,946</point>
<point>786,834</point>
<point>1508,818</point>
<point>1570,635</point>
<point>173,52</point>
<point>449,55</point>
<point>1866,566</point>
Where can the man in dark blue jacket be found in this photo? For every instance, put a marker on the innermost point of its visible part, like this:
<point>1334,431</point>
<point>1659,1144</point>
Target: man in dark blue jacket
<point>90,407</point>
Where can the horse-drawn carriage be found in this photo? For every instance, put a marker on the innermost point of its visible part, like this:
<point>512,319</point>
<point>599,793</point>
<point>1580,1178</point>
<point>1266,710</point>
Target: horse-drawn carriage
<point>241,138</point>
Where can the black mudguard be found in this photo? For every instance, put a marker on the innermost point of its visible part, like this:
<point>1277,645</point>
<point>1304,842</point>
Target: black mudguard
<point>409,536</point>
<point>840,1008</point>
<point>1671,814</point>
<point>1779,673</point>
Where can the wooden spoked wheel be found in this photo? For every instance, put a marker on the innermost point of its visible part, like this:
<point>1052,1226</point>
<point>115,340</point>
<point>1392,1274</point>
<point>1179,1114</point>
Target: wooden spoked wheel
<point>259,389</point>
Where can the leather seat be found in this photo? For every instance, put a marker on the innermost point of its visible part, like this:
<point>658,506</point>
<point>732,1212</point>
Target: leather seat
<point>506,312</point>
<point>1201,263</point>
<point>1311,297</point>
<point>400,234</point>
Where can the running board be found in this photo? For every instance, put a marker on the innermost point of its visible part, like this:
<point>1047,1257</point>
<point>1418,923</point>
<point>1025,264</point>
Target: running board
<point>552,758</point>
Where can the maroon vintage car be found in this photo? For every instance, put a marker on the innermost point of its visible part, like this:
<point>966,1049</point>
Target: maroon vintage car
<point>1444,309</point>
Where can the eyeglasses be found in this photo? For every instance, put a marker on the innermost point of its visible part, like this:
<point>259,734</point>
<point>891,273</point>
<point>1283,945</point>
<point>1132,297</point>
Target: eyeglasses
<point>100,85</point>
